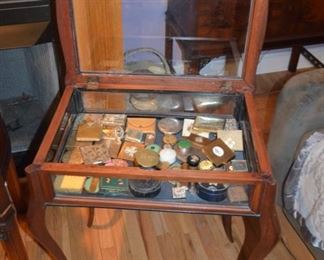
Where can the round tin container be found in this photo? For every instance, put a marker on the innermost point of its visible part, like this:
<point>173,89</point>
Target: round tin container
<point>144,188</point>
<point>183,149</point>
<point>205,165</point>
<point>146,158</point>
<point>211,191</point>
<point>193,161</point>
<point>168,155</point>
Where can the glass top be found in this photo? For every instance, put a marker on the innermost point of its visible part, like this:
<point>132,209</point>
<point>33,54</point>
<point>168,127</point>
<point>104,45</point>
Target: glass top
<point>161,37</point>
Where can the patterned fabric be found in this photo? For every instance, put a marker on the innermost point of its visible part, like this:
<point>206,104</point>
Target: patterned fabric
<point>304,190</point>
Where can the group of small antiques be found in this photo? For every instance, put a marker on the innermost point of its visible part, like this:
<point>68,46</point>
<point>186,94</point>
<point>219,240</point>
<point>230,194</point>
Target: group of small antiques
<point>204,143</point>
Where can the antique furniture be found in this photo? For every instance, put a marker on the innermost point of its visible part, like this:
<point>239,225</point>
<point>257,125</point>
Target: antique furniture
<point>23,22</point>
<point>97,86</point>
<point>9,230</point>
<point>289,24</point>
<point>301,97</point>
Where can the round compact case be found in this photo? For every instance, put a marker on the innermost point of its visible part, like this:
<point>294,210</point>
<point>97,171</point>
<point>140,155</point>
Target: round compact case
<point>211,191</point>
<point>144,188</point>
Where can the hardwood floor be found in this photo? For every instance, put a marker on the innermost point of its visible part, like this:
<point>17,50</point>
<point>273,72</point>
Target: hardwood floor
<point>142,235</point>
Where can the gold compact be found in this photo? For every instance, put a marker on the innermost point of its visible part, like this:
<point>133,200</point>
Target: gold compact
<point>93,154</point>
<point>218,152</point>
<point>145,125</point>
<point>146,158</point>
<point>89,132</point>
<point>208,124</point>
<point>128,150</point>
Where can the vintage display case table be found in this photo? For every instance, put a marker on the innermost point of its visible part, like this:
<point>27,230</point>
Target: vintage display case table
<point>135,134</point>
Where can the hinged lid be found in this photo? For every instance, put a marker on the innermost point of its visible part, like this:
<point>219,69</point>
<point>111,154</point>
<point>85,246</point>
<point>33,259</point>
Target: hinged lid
<point>173,43</point>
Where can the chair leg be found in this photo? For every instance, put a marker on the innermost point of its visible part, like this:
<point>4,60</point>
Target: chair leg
<point>227,224</point>
<point>14,186</point>
<point>90,217</point>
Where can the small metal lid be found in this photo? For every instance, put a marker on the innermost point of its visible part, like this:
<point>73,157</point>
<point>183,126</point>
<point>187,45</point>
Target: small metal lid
<point>169,139</point>
<point>184,144</point>
<point>205,165</point>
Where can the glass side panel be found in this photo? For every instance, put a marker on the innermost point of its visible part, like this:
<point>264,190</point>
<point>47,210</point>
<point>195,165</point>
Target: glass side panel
<point>161,191</point>
<point>163,37</point>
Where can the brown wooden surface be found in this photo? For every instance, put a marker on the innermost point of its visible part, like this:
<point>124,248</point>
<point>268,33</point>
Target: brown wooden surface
<point>264,219</point>
<point>21,35</point>
<point>99,34</point>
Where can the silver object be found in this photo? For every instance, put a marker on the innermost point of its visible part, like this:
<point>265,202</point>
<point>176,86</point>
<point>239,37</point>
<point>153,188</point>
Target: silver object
<point>169,125</point>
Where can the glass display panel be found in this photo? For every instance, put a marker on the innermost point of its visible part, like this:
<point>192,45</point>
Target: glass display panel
<point>162,191</point>
<point>161,37</point>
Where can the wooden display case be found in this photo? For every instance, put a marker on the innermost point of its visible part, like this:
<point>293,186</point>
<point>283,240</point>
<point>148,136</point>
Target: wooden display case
<point>98,84</point>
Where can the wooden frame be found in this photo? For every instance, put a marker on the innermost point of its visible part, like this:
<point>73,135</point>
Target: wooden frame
<point>262,229</point>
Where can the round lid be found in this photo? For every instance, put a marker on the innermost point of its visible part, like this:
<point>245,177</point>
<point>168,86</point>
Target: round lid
<point>205,165</point>
<point>184,144</point>
<point>147,158</point>
<point>169,139</point>
<point>168,155</point>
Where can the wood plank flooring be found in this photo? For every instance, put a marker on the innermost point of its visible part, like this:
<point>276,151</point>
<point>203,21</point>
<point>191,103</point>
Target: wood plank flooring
<point>135,235</point>
<point>142,235</point>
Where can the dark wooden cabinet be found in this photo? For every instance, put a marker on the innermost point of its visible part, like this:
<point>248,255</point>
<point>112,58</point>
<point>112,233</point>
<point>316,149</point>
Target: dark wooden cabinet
<point>224,23</point>
<point>294,22</point>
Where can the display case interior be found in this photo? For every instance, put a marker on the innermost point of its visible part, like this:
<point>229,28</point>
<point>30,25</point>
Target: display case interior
<point>155,131</point>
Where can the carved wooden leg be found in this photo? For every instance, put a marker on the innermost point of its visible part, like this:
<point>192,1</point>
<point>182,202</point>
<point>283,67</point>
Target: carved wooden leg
<point>227,224</point>
<point>91,217</point>
<point>261,233</point>
<point>36,219</point>
<point>10,236</point>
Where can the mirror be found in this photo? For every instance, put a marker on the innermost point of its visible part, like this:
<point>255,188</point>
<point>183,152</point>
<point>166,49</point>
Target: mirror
<point>163,37</point>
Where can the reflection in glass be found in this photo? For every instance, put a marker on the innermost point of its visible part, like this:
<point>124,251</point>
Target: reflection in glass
<point>162,37</point>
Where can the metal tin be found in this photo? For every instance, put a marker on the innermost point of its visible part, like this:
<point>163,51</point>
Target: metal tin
<point>184,144</point>
<point>183,149</point>
<point>168,155</point>
<point>205,165</point>
<point>208,124</point>
<point>169,139</point>
<point>169,125</point>
<point>193,160</point>
<point>146,158</point>
<point>144,188</point>
<point>215,192</point>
